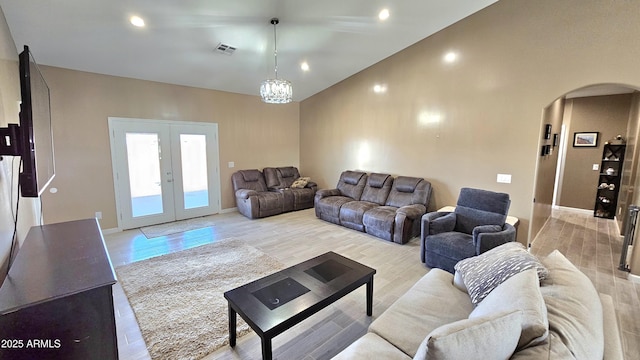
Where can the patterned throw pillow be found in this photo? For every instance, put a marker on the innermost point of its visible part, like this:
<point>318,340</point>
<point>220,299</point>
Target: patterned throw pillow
<point>483,273</point>
<point>300,183</point>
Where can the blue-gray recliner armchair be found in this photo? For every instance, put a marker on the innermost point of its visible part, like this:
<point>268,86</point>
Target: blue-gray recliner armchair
<point>476,225</point>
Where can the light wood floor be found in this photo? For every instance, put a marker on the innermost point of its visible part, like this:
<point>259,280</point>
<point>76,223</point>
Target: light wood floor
<point>591,243</point>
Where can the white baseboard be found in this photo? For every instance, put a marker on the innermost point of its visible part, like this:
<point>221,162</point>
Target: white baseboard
<point>586,211</point>
<point>229,210</point>
<point>633,278</point>
<point>110,231</point>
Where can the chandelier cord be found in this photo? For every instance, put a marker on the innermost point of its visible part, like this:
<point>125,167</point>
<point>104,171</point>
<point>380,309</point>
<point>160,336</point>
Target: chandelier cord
<point>275,45</point>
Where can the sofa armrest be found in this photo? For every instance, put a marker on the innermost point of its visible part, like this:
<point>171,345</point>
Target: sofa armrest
<point>612,343</point>
<point>312,185</point>
<point>438,222</point>
<point>412,212</point>
<point>407,222</point>
<point>245,193</point>
<point>328,192</point>
<point>425,227</point>
<point>486,237</point>
<point>323,193</point>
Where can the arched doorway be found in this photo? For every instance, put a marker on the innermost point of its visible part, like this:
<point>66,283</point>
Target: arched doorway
<point>563,174</point>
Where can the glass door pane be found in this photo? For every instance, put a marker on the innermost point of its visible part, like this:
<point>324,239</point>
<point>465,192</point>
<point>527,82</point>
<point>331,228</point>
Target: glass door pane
<point>143,159</point>
<point>195,169</point>
<point>195,183</point>
<point>143,177</point>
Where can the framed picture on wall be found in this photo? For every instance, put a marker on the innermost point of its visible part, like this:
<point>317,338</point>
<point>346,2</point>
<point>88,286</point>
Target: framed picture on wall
<point>547,132</point>
<point>585,139</point>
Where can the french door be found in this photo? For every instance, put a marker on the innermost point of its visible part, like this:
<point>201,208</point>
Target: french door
<point>164,170</point>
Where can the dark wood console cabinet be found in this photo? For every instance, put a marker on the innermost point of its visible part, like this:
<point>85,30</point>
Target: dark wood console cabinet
<point>56,302</point>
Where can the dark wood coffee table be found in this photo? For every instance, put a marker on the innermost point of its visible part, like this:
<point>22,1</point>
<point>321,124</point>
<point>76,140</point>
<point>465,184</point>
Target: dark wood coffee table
<point>277,302</point>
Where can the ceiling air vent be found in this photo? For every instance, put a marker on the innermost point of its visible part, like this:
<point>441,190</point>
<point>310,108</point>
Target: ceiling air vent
<point>225,49</point>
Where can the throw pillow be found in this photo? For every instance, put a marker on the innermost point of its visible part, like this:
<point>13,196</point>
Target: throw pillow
<point>520,292</point>
<point>481,274</point>
<point>491,337</point>
<point>300,183</point>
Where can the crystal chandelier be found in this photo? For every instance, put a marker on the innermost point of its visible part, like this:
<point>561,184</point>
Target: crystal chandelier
<point>276,91</point>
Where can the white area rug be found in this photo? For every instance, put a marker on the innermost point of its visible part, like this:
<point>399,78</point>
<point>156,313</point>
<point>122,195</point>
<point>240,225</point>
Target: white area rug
<point>178,298</point>
<point>176,227</point>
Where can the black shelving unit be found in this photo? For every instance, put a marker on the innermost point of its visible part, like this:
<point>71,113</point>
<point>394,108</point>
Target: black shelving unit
<point>609,181</point>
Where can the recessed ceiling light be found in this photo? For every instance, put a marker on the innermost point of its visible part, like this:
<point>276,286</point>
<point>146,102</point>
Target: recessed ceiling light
<point>137,21</point>
<point>450,57</point>
<point>380,88</point>
<point>383,14</point>
<point>304,66</point>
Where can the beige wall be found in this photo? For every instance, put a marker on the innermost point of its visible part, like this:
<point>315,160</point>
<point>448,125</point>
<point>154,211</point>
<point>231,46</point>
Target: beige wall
<point>608,115</point>
<point>515,58</point>
<point>547,165</point>
<point>9,109</point>
<point>251,134</point>
<point>631,163</point>
<point>634,195</point>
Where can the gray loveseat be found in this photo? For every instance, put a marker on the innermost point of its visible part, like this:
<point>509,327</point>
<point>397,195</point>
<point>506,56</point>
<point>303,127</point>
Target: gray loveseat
<point>259,195</point>
<point>378,204</point>
<point>559,317</point>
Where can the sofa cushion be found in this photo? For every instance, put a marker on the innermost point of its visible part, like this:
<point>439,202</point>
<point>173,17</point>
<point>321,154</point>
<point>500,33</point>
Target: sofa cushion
<point>377,188</point>
<point>351,184</point>
<point>480,207</point>
<point>248,179</point>
<point>352,212</point>
<point>301,182</point>
<point>371,346</point>
<point>330,206</point>
<point>420,310</point>
<point>251,175</point>
<point>270,201</point>
<point>488,337</point>
<point>352,177</point>
<point>406,184</point>
<point>520,292</point>
<point>409,190</point>
<point>468,218</point>
<point>483,273</point>
<point>551,349</point>
<point>573,307</point>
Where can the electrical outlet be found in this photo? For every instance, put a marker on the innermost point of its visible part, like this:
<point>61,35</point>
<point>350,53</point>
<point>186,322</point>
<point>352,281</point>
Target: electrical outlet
<point>98,215</point>
<point>231,164</point>
<point>504,178</point>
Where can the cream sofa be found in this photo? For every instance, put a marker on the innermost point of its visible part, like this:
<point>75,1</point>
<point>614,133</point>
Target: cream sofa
<point>560,317</point>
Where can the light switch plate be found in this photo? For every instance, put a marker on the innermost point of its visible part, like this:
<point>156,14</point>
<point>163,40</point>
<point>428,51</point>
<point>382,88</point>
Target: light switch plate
<point>596,167</point>
<point>231,164</point>
<point>504,178</point>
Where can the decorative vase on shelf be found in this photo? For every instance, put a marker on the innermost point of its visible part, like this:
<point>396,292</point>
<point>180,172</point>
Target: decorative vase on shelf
<point>610,171</point>
<point>618,140</point>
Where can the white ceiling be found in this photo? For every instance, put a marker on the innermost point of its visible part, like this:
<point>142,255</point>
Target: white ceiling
<point>338,38</point>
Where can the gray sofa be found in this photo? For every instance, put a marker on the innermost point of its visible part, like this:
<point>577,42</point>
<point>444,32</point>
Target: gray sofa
<point>378,204</point>
<point>560,317</point>
<point>259,195</point>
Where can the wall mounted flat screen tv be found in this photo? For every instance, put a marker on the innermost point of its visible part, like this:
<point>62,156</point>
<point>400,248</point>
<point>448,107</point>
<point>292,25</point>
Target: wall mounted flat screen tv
<point>36,135</point>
